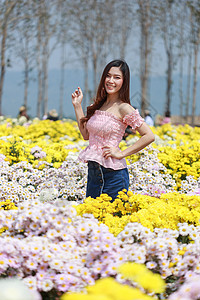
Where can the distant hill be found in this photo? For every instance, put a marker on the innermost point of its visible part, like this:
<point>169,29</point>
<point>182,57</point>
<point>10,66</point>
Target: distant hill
<point>13,93</point>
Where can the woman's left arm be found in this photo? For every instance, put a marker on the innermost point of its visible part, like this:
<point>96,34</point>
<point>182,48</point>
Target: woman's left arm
<point>147,137</point>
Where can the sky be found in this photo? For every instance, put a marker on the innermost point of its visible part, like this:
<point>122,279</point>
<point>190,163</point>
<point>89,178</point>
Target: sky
<point>158,66</point>
<point>13,93</point>
<point>13,90</point>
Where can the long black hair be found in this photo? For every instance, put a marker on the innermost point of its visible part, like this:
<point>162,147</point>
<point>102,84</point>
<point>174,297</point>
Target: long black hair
<point>101,95</point>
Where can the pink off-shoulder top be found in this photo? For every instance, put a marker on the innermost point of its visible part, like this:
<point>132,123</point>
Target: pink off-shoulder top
<point>106,129</point>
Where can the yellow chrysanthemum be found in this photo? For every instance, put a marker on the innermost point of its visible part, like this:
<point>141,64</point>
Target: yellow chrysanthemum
<point>79,296</point>
<point>164,212</point>
<point>145,278</point>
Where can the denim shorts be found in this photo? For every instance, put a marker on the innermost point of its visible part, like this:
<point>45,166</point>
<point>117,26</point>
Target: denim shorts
<point>103,180</point>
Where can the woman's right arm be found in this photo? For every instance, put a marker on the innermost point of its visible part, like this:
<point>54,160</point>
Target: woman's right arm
<point>77,98</point>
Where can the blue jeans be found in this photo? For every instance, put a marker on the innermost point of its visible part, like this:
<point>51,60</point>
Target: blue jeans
<point>103,180</point>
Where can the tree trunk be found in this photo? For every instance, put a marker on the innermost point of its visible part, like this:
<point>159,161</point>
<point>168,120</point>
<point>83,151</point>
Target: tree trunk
<point>45,57</point>
<point>62,79</point>
<point>26,66</point>
<point>196,48</point>
<point>181,71</point>
<point>145,51</point>
<point>181,86</point>
<point>3,49</point>
<point>188,86</point>
<point>45,83</point>
<point>85,82</point>
<point>9,9</point>
<point>145,76</point>
<point>39,71</point>
<point>26,80</point>
<point>125,27</point>
<point>94,72</point>
<point>144,73</point>
<point>169,81</point>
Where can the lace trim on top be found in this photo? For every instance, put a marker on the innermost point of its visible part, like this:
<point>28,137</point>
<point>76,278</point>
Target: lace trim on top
<point>134,119</point>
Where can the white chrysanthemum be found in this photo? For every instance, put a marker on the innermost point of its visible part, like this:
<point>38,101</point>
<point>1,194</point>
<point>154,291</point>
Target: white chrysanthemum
<point>184,229</point>
<point>52,233</point>
<point>48,194</point>
<point>47,285</point>
<point>151,264</point>
<point>83,229</point>
<point>194,234</point>
<point>197,268</point>
<point>56,264</point>
<point>31,264</point>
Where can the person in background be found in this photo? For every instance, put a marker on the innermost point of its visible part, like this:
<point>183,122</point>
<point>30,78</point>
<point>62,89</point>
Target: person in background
<point>158,120</point>
<point>23,112</point>
<point>167,118</point>
<point>128,131</point>
<point>104,126</point>
<point>52,115</point>
<point>148,118</point>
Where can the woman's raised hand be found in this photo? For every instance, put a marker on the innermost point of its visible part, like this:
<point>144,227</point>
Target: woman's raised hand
<point>77,96</point>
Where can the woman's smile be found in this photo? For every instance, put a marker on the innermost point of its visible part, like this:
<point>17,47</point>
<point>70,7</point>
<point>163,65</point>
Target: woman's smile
<point>114,80</point>
<point>110,86</point>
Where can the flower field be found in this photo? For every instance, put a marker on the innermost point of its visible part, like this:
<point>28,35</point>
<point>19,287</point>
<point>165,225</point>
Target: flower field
<point>144,245</point>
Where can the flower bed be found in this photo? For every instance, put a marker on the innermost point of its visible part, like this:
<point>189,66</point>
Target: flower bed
<point>57,242</point>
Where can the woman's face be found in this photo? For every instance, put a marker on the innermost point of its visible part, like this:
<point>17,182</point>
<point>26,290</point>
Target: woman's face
<point>113,81</point>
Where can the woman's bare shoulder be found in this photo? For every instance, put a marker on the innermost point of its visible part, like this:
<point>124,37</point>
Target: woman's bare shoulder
<point>125,109</point>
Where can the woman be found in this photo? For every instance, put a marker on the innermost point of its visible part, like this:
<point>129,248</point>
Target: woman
<point>104,126</point>
<point>23,112</point>
<point>167,118</point>
<point>148,118</point>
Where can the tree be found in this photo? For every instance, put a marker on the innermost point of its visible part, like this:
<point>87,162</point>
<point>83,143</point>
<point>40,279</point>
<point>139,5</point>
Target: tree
<point>45,28</point>
<point>124,13</point>
<point>92,31</point>
<point>168,25</point>
<point>24,40</point>
<point>189,66</point>
<point>100,34</point>
<point>6,21</point>
<point>146,15</point>
<point>79,15</point>
<point>182,43</point>
<point>62,9</point>
<point>195,39</point>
